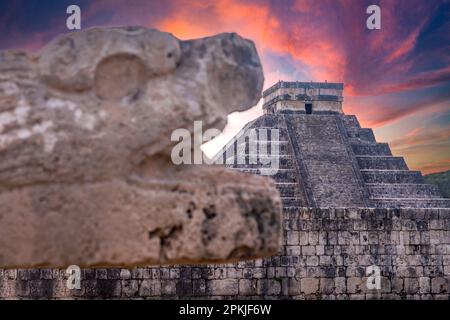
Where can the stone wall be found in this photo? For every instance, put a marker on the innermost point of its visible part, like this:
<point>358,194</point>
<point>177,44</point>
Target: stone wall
<point>324,255</point>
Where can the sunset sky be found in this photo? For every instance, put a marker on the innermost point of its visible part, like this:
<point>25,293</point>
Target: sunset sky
<point>397,79</point>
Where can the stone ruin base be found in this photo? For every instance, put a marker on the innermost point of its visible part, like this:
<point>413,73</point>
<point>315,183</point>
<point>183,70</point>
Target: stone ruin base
<point>324,255</point>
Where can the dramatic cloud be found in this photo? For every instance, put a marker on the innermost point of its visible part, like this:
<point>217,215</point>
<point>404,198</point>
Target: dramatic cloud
<point>421,137</point>
<point>381,110</point>
<point>389,74</point>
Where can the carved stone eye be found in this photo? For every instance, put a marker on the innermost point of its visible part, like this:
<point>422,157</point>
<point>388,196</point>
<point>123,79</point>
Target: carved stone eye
<point>118,76</point>
<point>114,63</point>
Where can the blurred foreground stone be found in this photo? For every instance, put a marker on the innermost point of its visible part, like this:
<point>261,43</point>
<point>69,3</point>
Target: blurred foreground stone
<point>85,140</point>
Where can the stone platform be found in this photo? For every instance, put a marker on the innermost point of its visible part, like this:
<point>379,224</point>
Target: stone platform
<point>324,255</point>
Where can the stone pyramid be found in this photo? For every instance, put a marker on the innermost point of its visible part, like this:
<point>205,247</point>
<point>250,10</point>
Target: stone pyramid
<point>323,156</point>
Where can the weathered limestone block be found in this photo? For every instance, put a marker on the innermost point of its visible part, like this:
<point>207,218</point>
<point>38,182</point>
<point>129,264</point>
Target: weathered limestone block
<point>85,139</point>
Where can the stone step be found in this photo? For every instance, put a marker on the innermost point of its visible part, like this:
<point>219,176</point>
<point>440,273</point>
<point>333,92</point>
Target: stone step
<point>351,121</point>
<point>271,166</point>
<point>308,120</point>
<point>411,190</point>
<point>280,175</point>
<point>371,149</point>
<point>262,141</point>
<point>411,203</point>
<point>287,190</point>
<point>283,130</point>
<point>267,127</point>
<point>391,176</point>
<point>290,201</point>
<point>268,142</point>
<point>264,147</point>
<point>361,135</point>
<point>291,209</point>
<point>282,161</point>
<point>381,162</point>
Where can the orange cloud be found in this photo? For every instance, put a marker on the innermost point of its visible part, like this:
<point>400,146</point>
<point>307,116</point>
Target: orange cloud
<point>406,46</point>
<point>195,19</point>
<point>419,81</point>
<point>425,149</point>
<point>420,136</point>
<point>435,166</point>
<point>375,114</point>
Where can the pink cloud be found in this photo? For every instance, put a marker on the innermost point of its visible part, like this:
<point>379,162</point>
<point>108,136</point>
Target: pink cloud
<point>435,166</point>
<point>325,39</point>
<point>420,137</point>
<point>406,46</point>
<point>256,21</point>
<point>376,114</point>
<point>421,80</point>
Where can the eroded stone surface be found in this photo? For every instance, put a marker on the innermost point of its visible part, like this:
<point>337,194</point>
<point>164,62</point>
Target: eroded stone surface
<point>85,173</point>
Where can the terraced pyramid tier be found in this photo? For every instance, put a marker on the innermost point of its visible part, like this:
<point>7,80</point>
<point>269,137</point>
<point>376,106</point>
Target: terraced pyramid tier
<point>325,159</point>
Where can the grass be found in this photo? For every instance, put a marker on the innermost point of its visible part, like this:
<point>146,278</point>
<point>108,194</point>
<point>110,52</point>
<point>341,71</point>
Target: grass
<point>441,180</point>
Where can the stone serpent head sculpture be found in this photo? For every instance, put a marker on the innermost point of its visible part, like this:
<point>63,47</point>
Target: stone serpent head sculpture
<point>85,171</point>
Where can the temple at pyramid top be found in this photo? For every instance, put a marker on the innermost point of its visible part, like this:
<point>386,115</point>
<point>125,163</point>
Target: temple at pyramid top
<point>306,97</point>
<point>320,157</point>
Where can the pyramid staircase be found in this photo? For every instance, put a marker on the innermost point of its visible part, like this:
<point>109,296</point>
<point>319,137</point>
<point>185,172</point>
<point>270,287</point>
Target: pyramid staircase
<point>327,160</point>
<point>387,178</point>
